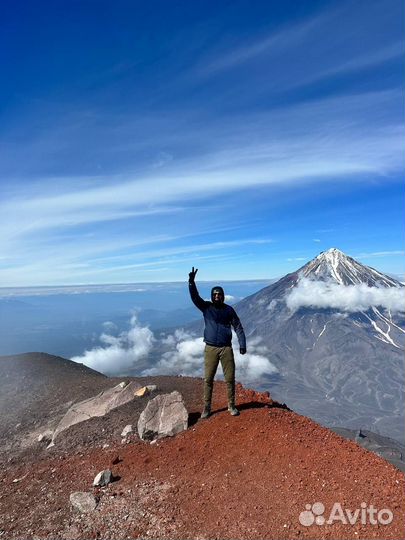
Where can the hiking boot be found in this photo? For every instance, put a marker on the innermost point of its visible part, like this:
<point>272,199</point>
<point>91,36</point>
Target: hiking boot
<point>206,412</point>
<point>233,410</point>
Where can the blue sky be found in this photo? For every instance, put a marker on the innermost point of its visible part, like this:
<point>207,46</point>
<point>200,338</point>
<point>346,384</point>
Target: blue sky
<point>140,138</point>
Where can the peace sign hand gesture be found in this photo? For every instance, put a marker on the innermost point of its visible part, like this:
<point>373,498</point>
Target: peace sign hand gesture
<point>192,274</point>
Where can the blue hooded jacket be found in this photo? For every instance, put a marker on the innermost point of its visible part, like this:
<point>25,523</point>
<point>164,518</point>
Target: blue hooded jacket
<point>218,320</point>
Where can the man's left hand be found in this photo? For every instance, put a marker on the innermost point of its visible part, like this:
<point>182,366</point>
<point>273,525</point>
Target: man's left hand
<point>242,350</point>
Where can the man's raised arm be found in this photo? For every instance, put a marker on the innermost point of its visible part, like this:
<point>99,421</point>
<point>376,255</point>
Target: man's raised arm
<point>195,297</point>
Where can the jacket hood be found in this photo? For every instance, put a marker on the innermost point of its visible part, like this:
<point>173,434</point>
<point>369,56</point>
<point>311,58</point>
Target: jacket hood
<point>217,289</point>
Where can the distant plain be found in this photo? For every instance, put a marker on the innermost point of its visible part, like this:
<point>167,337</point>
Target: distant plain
<point>65,321</point>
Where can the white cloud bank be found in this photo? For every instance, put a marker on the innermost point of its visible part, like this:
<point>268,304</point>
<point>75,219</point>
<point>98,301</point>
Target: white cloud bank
<point>186,357</point>
<point>119,352</point>
<point>185,354</point>
<point>350,298</point>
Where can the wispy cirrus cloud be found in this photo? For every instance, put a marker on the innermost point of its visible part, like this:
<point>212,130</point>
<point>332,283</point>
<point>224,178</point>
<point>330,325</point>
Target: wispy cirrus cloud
<point>348,47</point>
<point>380,56</point>
<point>288,148</point>
<point>373,254</point>
<point>203,129</point>
<point>274,44</point>
<point>196,248</point>
<point>306,143</point>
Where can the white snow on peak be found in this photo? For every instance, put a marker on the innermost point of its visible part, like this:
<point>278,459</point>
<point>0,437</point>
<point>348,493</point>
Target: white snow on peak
<point>332,258</point>
<point>335,265</point>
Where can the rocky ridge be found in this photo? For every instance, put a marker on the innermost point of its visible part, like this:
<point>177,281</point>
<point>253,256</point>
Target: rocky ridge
<point>249,477</point>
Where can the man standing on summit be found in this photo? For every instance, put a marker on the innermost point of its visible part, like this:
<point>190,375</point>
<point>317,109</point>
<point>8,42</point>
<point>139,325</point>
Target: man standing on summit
<point>218,318</point>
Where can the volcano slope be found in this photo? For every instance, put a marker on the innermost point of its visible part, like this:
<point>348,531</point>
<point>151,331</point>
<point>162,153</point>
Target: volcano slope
<point>35,391</point>
<point>339,354</point>
<point>225,477</point>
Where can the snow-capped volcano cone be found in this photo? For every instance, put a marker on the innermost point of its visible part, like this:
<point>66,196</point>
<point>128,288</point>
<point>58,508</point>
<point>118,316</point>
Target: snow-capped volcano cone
<point>333,265</point>
<point>335,331</point>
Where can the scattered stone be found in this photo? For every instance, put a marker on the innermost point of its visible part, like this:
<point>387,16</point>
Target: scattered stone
<point>116,460</point>
<point>360,436</point>
<point>46,436</point>
<point>127,430</point>
<point>98,405</point>
<point>142,392</point>
<point>103,478</point>
<point>84,502</point>
<point>145,390</point>
<point>19,479</point>
<point>164,416</point>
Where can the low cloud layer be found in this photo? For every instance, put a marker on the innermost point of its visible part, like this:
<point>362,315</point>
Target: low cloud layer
<point>186,357</point>
<point>119,352</point>
<point>184,354</point>
<point>350,298</point>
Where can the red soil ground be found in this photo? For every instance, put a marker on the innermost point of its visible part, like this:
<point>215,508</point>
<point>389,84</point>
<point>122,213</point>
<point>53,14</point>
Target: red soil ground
<point>246,477</point>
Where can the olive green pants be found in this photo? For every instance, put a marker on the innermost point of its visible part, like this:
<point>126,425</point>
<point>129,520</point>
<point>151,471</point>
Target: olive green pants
<point>212,357</point>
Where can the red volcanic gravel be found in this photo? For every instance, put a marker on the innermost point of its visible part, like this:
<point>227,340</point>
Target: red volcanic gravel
<point>245,477</point>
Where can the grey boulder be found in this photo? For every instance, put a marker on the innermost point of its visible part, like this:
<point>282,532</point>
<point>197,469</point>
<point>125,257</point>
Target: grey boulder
<point>99,405</point>
<point>164,416</point>
<point>84,502</point>
<point>127,430</point>
<point>103,478</point>
<point>45,437</point>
